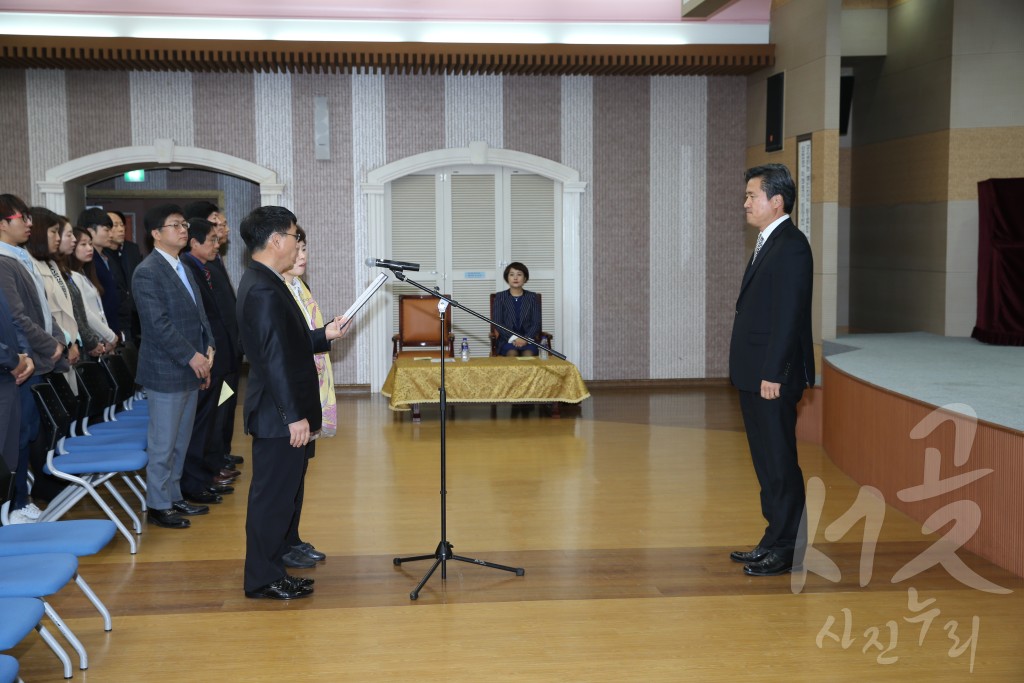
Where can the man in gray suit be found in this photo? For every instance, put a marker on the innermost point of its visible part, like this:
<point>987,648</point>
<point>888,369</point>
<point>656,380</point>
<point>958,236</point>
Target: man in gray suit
<point>175,360</point>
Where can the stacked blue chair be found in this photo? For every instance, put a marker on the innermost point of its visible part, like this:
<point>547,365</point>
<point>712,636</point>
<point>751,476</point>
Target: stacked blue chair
<point>86,470</point>
<point>21,617</point>
<point>80,537</point>
<point>8,669</point>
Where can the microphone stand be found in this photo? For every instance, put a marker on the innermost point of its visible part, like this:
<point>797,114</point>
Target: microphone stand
<point>444,551</point>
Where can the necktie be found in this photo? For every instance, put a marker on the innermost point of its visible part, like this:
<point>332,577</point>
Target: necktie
<point>757,247</point>
<point>184,280</point>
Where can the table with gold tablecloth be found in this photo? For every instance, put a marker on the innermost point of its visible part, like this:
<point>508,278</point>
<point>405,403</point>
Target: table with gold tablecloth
<point>484,380</point>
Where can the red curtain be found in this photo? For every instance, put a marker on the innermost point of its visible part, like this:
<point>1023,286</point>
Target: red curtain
<point>1001,262</point>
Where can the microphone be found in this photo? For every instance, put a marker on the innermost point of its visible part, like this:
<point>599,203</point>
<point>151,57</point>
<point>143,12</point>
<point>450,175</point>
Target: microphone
<point>394,265</point>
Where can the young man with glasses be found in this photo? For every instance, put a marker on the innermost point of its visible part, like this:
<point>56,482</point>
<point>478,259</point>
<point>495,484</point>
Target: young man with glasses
<point>175,360</point>
<point>29,310</point>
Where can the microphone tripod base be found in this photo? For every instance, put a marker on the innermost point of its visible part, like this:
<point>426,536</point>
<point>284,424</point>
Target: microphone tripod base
<point>441,555</point>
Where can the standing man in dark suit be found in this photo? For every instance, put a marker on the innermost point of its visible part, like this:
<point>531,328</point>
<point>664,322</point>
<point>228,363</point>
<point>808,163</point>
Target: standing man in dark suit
<point>282,402</point>
<point>16,366</point>
<point>174,362</point>
<point>219,442</point>
<point>204,468</point>
<point>771,361</point>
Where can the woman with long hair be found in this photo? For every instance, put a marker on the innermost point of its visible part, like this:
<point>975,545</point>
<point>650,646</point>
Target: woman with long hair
<point>92,343</point>
<point>43,242</point>
<point>83,274</point>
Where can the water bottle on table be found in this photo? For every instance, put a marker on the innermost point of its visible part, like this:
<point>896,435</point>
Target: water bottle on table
<point>465,349</point>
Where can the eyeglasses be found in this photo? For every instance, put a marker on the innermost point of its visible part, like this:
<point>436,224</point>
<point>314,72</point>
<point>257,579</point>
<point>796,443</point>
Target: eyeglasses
<point>176,225</point>
<point>15,216</point>
<point>290,234</point>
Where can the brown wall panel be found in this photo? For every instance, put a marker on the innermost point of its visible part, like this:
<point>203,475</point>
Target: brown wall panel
<point>15,177</point>
<point>414,115</point>
<point>621,227</point>
<point>532,115</point>
<point>225,113</point>
<point>724,239</point>
<point>99,111</point>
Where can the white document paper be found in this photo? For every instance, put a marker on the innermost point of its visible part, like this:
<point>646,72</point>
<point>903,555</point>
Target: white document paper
<point>365,296</point>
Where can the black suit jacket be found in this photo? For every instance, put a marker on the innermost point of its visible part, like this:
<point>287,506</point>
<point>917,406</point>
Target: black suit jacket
<point>771,335</point>
<point>224,292</point>
<point>224,360</point>
<point>283,386</point>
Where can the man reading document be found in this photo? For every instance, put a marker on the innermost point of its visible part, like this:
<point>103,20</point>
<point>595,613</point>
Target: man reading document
<point>282,401</point>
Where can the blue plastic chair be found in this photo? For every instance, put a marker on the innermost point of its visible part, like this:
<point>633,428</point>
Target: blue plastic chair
<point>21,616</point>
<point>85,470</point>
<point>80,537</point>
<point>8,669</point>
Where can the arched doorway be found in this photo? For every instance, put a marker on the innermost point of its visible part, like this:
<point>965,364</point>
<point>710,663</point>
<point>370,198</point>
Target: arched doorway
<point>66,179</point>
<point>477,153</point>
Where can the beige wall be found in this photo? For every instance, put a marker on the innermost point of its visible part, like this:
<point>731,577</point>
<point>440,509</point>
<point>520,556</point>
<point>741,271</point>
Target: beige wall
<point>807,38</point>
<point>943,110</point>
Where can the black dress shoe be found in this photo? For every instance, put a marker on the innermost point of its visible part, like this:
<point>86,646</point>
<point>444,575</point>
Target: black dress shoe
<point>749,556</point>
<point>300,581</point>
<point>297,560</point>
<point>221,489</point>
<point>227,474</point>
<point>229,466</point>
<point>168,519</point>
<point>282,589</point>
<point>234,459</point>
<point>773,564</point>
<point>203,497</point>
<point>186,508</point>
<point>309,551</point>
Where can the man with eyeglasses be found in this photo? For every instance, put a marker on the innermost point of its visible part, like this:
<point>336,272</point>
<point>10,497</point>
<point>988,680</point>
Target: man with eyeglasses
<point>282,401</point>
<point>175,361</point>
<point>29,310</point>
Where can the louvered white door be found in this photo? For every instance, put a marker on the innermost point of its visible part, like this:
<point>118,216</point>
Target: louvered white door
<point>480,219</point>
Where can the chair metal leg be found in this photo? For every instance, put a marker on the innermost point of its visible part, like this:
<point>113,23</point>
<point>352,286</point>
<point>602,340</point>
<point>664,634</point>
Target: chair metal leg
<point>94,494</point>
<point>57,649</point>
<point>97,603</point>
<point>69,635</point>
<point>124,506</point>
<point>127,479</point>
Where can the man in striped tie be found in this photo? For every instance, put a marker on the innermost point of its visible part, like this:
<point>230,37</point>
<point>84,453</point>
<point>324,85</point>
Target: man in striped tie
<point>771,361</point>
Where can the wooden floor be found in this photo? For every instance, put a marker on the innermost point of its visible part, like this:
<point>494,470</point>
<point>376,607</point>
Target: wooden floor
<point>622,513</point>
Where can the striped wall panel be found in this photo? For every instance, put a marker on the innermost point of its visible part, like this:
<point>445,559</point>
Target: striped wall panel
<point>659,156</point>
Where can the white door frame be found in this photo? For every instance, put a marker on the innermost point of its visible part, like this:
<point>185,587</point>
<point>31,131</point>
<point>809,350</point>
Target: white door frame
<point>478,153</point>
<point>163,152</point>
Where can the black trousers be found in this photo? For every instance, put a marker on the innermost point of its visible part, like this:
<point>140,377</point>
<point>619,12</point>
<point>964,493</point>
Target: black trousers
<point>200,465</point>
<point>218,443</point>
<point>277,470</point>
<point>771,434</point>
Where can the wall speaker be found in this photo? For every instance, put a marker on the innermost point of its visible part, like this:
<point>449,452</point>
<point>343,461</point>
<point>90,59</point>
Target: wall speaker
<point>773,113</point>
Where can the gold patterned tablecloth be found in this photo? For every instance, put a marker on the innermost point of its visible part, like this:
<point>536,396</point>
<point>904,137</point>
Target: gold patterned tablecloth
<point>484,380</point>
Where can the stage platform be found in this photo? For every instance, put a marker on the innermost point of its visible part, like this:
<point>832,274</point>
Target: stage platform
<point>882,423</point>
<point>938,371</point>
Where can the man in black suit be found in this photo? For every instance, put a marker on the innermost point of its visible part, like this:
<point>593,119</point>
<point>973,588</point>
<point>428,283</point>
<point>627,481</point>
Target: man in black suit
<point>219,441</point>
<point>771,360</point>
<point>282,402</point>
<point>204,467</point>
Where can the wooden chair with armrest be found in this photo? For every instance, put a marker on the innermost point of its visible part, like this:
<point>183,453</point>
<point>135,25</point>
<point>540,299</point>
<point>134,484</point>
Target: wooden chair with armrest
<point>419,332</point>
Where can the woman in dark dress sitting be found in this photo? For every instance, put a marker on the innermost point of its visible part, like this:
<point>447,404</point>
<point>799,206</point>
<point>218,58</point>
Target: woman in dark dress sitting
<point>518,310</point>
